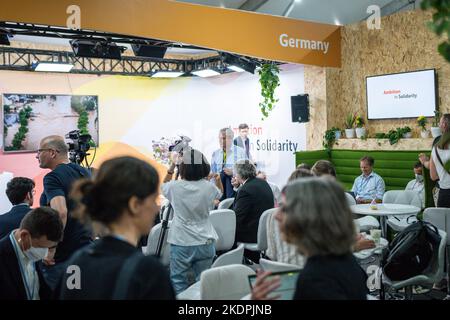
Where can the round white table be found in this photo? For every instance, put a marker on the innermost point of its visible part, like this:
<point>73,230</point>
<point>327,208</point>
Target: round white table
<point>384,210</point>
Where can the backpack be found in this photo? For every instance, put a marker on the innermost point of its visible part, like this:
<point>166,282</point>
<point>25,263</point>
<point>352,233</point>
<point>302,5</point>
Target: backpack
<point>411,252</point>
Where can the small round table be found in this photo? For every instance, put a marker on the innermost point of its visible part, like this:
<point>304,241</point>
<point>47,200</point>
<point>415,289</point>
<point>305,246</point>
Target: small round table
<point>383,211</point>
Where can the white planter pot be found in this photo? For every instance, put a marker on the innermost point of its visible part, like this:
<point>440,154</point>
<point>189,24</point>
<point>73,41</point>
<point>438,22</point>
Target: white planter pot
<point>360,132</point>
<point>337,134</point>
<point>350,133</point>
<point>435,132</point>
<point>407,135</point>
<point>424,134</point>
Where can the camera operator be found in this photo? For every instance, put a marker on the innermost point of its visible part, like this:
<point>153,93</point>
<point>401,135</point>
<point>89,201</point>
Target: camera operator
<point>52,154</point>
<point>191,235</point>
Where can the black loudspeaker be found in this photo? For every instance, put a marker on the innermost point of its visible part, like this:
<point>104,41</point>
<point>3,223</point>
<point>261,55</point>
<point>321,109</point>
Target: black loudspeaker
<point>300,108</point>
<point>149,51</point>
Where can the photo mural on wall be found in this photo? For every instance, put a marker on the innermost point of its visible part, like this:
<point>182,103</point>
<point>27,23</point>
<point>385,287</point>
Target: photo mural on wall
<point>28,118</point>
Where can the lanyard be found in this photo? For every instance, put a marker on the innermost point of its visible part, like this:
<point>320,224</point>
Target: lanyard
<point>30,292</point>
<point>224,159</point>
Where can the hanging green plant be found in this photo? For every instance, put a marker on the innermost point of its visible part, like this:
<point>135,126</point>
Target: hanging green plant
<point>441,23</point>
<point>329,139</point>
<point>269,80</point>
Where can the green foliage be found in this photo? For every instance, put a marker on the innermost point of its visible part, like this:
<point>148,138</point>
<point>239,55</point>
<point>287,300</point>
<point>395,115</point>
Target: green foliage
<point>359,121</point>
<point>21,134</point>
<point>6,109</point>
<point>422,122</point>
<point>437,118</point>
<point>393,135</point>
<point>83,121</point>
<point>440,23</point>
<point>349,121</point>
<point>329,139</point>
<point>269,80</point>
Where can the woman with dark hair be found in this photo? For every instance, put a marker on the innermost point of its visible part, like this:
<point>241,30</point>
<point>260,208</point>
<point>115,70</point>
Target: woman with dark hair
<point>122,199</point>
<point>191,234</point>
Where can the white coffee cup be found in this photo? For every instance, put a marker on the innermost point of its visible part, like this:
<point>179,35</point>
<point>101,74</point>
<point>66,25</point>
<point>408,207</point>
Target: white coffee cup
<point>376,235</point>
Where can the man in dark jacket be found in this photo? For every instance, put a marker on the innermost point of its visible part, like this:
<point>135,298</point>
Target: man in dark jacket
<point>40,230</point>
<point>20,192</point>
<point>253,198</point>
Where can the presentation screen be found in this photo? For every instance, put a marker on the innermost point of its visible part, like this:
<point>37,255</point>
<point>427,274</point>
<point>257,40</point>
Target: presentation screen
<point>27,118</point>
<point>401,95</point>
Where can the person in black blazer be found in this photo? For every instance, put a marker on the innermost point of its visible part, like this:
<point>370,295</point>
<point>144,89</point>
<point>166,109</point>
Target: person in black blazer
<point>253,198</point>
<point>39,230</point>
<point>317,219</point>
<point>122,198</point>
<point>20,192</point>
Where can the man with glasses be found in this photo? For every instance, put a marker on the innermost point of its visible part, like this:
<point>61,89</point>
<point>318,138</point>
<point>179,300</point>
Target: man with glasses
<point>53,155</point>
<point>20,192</point>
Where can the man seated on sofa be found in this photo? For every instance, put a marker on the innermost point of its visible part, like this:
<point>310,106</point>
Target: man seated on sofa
<point>368,185</point>
<point>417,184</point>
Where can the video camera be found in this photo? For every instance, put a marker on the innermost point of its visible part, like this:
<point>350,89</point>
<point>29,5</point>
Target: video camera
<point>180,145</point>
<point>79,146</point>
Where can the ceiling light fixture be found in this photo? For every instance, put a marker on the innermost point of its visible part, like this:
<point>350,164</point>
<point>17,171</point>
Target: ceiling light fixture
<point>52,67</point>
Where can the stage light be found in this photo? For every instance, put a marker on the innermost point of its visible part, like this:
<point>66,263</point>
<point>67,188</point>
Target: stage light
<point>167,74</point>
<point>52,67</point>
<point>96,49</point>
<point>238,64</point>
<point>149,51</point>
<point>4,39</point>
<point>206,73</point>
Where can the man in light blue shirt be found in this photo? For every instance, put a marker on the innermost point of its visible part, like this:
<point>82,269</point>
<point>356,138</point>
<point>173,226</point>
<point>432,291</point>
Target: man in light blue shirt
<point>223,160</point>
<point>368,185</point>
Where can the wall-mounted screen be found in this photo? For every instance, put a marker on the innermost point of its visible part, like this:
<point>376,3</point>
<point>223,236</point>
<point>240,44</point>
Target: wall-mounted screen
<point>402,95</point>
<point>28,118</point>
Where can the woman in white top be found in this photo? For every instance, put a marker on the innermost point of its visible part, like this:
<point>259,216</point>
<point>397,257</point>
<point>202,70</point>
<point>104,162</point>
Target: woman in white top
<point>439,169</point>
<point>191,234</point>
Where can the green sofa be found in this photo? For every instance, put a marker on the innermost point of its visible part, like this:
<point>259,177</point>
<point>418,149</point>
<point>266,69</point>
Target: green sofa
<point>395,167</point>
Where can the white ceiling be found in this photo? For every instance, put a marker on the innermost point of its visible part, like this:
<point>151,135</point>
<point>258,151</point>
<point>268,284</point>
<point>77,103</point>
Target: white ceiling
<point>339,12</point>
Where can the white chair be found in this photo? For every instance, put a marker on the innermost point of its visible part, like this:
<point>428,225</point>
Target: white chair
<point>234,256</point>
<point>152,244</point>
<point>226,204</point>
<point>224,222</point>
<point>409,197</point>
<point>275,266</point>
<point>435,274</point>
<point>225,283</point>
<point>261,236</point>
<point>350,200</point>
<point>367,223</point>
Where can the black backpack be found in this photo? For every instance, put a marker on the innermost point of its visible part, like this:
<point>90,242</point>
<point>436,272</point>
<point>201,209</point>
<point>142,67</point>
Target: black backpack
<point>411,252</point>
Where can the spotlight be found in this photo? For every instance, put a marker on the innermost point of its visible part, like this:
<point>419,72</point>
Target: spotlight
<point>52,67</point>
<point>205,73</point>
<point>96,49</point>
<point>4,39</point>
<point>149,51</point>
<point>238,64</point>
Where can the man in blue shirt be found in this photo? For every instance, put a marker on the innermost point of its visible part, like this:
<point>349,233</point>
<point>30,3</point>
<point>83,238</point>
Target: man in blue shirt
<point>224,159</point>
<point>20,192</point>
<point>369,185</point>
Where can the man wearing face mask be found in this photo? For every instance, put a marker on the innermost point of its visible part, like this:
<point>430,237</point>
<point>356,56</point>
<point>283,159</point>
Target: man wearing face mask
<point>40,230</point>
<point>417,184</point>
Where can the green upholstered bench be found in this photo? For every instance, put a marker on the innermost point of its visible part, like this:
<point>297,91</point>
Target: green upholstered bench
<point>395,167</point>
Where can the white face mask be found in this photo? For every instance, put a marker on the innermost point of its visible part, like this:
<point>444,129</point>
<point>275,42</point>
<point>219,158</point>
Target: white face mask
<point>36,254</point>
<point>419,177</point>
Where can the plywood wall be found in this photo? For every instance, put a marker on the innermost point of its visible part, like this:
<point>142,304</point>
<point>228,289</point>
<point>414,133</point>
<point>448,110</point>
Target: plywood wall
<point>404,43</point>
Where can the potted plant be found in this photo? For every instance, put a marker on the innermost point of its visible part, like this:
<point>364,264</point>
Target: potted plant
<point>435,130</point>
<point>337,132</point>
<point>406,132</point>
<point>422,123</point>
<point>360,130</point>
<point>349,122</point>
<point>269,80</point>
<point>329,139</point>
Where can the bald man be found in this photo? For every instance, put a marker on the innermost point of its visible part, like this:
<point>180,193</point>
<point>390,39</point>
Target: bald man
<point>53,155</point>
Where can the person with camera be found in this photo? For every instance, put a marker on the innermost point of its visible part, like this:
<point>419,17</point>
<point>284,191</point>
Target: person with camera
<point>191,234</point>
<point>53,155</point>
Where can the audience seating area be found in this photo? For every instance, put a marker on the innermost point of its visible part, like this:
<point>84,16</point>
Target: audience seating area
<point>395,167</point>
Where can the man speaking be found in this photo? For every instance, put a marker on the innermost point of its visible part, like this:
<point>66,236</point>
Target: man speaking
<point>52,154</point>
